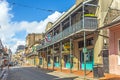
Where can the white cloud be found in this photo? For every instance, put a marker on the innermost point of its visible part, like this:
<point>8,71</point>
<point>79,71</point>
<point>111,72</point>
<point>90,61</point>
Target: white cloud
<point>9,28</point>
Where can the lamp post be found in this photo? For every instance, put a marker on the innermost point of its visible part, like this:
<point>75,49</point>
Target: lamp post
<point>84,34</point>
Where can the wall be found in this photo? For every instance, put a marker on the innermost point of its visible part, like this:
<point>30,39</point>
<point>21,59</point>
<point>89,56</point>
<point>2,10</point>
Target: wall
<point>78,2</point>
<point>114,58</point>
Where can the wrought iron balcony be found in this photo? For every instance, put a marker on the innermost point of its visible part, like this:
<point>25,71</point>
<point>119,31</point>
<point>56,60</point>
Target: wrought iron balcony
<point>89,25</point>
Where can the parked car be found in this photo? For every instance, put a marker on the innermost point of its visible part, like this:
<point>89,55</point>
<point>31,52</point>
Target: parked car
<point>11,63</point>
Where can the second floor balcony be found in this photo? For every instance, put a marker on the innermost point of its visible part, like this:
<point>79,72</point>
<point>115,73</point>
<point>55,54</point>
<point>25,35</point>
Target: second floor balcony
<point>90,24</point>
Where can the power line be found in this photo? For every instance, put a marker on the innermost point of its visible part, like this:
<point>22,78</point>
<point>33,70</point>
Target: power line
<point>27,6</point>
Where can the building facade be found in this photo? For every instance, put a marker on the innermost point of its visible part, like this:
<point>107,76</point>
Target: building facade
<point>32,40</point>
<point>64,42</point>
<point>114,48</point>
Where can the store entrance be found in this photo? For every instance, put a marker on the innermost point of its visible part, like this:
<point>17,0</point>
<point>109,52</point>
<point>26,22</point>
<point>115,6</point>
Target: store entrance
<point>67,61</point>
<point>89,60</point>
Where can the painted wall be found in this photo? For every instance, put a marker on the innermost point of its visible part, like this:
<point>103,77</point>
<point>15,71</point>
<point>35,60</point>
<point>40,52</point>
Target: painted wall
<point>101,13</point>
<point>114,58</point>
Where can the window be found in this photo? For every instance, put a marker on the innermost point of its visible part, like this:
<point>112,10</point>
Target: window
<point>89,42</point>
<point>80,44</point>
<point>89,56</point>
<point>48,59</point>
<point>56,59</point>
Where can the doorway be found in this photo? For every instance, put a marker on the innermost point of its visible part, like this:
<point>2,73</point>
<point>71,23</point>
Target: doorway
<point>89,60</point>
<point>56,61</point>
<point>68,64</point>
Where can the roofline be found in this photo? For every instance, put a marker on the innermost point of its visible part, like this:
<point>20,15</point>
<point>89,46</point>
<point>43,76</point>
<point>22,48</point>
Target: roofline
<point>66,14</point>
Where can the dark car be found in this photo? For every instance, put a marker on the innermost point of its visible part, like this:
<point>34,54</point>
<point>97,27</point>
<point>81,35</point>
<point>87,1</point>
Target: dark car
<point>11,63</point>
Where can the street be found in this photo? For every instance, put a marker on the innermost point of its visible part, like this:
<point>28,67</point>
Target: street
<point>31,73</point>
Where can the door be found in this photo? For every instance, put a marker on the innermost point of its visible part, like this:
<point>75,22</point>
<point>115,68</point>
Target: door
<point>49,63</point>
<point>67,61</point>
<point>89,60</point>
<point>56,61</point>
<point>40,61</point>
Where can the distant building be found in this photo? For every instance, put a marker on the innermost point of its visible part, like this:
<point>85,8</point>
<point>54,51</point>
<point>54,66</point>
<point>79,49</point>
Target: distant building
<point>20,47</point>
<point>1,52</point>
<point>32,40</point>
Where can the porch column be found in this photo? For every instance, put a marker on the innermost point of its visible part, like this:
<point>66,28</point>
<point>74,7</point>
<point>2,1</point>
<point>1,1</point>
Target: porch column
<point>70,55</point>
<point>47,57</point>
<point>43,58</point>
<point>53,56</point>
<point>61,27</point>
<point>61,55</point>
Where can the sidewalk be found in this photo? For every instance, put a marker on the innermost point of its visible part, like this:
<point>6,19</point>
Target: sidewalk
<point>89,74</point>
<point>4,73</point>
<point>110,77</point>
<point>80,73</point>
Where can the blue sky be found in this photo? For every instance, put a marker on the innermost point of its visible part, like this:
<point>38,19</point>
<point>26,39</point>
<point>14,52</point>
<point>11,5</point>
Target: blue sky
<point>20,17</point>
<point>31,13</point>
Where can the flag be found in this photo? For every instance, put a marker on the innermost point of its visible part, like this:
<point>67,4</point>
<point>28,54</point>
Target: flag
<point>48,38</point>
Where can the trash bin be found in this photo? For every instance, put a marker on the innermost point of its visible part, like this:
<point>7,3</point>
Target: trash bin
<point>98,71</point>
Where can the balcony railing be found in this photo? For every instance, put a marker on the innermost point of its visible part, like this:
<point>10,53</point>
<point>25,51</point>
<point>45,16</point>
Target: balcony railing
<point>90,24</point>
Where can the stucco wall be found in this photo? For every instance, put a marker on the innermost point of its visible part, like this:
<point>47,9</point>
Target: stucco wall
<point>114,58</point>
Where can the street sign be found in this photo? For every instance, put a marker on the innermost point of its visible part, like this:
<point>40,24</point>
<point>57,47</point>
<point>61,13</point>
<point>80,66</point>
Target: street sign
<point>85,50</point>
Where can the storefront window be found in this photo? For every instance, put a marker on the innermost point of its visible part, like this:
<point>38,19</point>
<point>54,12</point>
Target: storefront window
<point>80,44</point>
<point>89,56</point>
<point>89,42</point>
<point>56,59</point>
<point>48,59</point>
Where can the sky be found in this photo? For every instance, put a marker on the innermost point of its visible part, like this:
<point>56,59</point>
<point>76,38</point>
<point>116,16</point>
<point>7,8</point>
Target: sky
<point>21,17</point>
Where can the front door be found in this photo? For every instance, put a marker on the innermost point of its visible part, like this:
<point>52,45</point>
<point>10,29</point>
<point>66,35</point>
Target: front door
<point>40,61</point>
<point>67,61</point>
<point>49,62</point>
<point>56,61</point>
<point>89,60</point>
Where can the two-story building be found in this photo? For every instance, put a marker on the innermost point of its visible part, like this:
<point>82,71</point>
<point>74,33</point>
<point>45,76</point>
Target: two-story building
<point>70,38</point>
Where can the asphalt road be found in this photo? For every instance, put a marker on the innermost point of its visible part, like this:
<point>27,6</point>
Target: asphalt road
<point>31,73</point>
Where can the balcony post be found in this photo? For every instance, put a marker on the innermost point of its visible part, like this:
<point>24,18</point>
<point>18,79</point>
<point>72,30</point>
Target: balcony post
<point>70,24</point>
<point>61,55</point>
<point>61,29</point>
<point>84,34</point>
<point>53,33</point>
<point>43,58</point>
<point>53,56</point>
<point>47,57</point>
<point>70,55</point>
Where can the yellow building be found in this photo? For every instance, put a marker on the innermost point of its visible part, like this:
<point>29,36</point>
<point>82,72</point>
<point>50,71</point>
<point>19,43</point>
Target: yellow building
<point>32,40</point>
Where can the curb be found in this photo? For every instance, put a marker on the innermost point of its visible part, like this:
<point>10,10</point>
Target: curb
<point>4,74</point>
<point>1,75</point>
